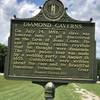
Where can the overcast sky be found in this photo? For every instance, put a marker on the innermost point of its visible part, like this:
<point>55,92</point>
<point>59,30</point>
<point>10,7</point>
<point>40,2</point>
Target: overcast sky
<point>77,9</point>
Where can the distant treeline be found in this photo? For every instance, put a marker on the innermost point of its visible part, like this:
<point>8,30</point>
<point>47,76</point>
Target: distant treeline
<point>3,53</point>
<point>98,67</point>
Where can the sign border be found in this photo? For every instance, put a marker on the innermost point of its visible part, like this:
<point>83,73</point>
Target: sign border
<point>46,79</point>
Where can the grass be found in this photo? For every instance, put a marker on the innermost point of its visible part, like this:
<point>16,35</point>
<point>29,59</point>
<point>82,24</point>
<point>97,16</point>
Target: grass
<point>25,90</point>
<point>94,88</point>
<point>66,92</point>
<point>19,90</point>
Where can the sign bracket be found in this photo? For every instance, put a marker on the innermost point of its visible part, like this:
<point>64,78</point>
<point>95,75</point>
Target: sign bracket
<point>49,89</point>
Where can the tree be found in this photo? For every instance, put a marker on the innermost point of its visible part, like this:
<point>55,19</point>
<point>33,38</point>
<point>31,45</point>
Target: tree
<point>3,52</point>
<point>98,67</point>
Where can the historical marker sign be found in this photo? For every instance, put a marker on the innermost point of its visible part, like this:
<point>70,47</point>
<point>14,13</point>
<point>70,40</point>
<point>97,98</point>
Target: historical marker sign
<point>52,48</point>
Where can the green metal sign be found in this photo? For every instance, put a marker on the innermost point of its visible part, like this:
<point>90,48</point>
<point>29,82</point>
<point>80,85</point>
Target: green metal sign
<point>53,48</point>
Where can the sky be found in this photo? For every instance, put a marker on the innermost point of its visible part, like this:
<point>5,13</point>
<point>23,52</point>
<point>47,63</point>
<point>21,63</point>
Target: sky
<point>77,9</point>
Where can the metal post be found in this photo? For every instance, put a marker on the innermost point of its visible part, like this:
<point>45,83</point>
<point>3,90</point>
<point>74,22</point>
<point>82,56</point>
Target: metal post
<point>49,91</point>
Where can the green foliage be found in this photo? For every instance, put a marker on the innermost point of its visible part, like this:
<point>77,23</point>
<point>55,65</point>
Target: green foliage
<point>3,49</point>
<point>3,52</point>
<point>98,63</point>
<point>98,67</point>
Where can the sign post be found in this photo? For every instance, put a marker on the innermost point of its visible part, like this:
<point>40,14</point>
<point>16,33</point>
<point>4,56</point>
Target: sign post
<point>49,91</point>
<point>51,47</point>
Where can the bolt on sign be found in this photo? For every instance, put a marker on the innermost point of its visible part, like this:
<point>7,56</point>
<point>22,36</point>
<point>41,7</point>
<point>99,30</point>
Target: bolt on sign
<point>51,47</point>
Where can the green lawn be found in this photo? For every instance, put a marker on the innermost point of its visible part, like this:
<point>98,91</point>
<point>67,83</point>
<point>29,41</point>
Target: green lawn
<point>25,90</point>
<point>66,92</point>
<point>19,90</point>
